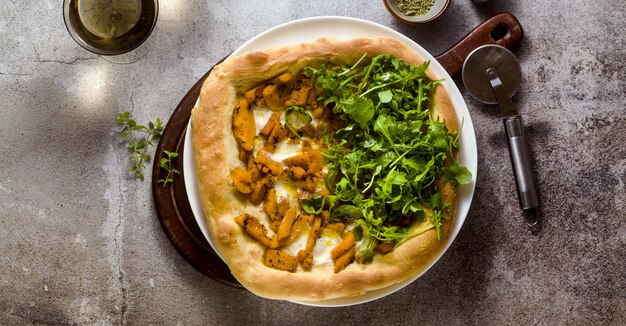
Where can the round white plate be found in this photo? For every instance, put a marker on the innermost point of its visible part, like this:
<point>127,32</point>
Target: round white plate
<point>310,29</point>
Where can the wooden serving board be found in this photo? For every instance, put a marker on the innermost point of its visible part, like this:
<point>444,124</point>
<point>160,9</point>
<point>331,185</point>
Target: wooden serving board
<point>171,202</point>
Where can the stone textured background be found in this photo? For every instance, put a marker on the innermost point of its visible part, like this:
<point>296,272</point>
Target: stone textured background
<point>80,242</point>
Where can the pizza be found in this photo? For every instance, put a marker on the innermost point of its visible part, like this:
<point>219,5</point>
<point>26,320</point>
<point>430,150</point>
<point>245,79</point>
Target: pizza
<point>326,169</point>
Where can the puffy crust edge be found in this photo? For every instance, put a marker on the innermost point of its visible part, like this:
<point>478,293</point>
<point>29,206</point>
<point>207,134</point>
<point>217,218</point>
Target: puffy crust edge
<point>216,153</point>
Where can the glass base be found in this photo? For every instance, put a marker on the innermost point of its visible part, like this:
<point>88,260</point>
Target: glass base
<point>135,55</point>
<point>110,28</point>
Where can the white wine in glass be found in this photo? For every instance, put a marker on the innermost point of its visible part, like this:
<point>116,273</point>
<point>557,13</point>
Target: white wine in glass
<point>110,27</point>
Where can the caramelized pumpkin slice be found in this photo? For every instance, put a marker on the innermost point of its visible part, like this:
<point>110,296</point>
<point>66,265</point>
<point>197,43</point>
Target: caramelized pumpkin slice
<point>343,253</point>
<point>316,160</point>
<point>268,165</point>
<point>344,246</point>
<point>283,205</point>
<point>284,230</point>
<point>273,99</point>
<point>296,173</point>
<point>318,111</point>
<point>271,123</point>
<point>284,78</point>
<point>306,259</point>
<point>309,184</point>
<point>315,230</point>
<point>300,160</point>
<point>271,206</point>
<point>242,180</point>
<point>244,127</point>
<point>335,226</point>
<point>255,173</point>
<point>278,133</point>
<point>298,226</point>
<point>260,189</point>
<point>344,260</point>
<point>280,260</point>
<point>299,96</point>
<point>254,229</point>
<point>305,256</point>
<point>251,95</point>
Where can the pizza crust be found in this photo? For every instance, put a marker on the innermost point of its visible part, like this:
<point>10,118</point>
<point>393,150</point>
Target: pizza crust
<point>216,154</point>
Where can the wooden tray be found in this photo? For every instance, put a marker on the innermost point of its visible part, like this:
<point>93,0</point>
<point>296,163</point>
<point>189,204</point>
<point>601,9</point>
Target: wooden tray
<point>171,202</point>
<point>172,205</point>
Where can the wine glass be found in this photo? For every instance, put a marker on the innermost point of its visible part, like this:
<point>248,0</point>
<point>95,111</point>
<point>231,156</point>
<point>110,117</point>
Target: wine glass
<point>111,28</point>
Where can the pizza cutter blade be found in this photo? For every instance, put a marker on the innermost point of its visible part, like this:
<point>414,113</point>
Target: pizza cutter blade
<point>492,74</point>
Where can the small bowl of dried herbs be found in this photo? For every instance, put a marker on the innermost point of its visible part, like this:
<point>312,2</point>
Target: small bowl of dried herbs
<point>416,11</point>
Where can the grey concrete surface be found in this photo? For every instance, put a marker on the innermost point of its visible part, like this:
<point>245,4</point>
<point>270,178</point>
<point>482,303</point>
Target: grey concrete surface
<point>80,242</point>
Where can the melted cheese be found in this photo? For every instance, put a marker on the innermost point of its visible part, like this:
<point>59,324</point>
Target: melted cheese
<point>261,117</point>
<point>298,244</point>
<point>323,247</point>
<point>285,149</point>
<point>259,142</point>
<point>286,190</point>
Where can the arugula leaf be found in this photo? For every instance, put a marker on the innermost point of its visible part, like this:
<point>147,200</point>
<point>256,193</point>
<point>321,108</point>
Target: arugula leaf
<point>346,213</point>
<point>313,205</point>
<point>385,96</point>
<point>362,112</point>
<point>296,118</point>
<point>460,174</point>
<point>382,126</point>
<point>437,223</point>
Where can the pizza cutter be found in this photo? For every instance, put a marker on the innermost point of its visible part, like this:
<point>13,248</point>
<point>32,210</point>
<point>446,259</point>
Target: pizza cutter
<point>492,75</point>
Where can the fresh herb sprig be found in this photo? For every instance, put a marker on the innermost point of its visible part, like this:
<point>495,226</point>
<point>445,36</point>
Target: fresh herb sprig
<point>384,164</point>
<point>166,164</point>
<point>139,140</point>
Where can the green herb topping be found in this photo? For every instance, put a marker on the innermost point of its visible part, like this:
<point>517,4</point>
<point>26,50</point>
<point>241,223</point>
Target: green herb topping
<point>296,117</point>
<point>383,163</point>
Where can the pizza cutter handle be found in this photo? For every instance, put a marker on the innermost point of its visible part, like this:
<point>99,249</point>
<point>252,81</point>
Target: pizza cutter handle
<point>520,159</point>
<point>502,29</point>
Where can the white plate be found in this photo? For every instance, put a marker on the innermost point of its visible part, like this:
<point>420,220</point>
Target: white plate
<point>310,29</point>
